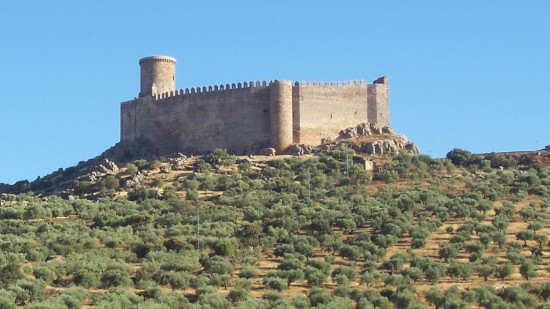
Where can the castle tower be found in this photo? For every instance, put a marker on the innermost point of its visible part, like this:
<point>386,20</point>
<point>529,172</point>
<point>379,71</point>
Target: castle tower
<point>378,102</point>
<point>280,96</point>
<point>158,75</point>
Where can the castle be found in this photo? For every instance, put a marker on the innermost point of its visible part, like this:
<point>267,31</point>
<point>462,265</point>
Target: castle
<point>245,117</point>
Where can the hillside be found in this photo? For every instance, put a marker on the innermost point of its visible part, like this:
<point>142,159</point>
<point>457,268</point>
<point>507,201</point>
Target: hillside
<point>310,231</point>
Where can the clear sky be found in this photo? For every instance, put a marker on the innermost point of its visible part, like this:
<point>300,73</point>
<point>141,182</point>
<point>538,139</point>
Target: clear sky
<point>467,74</point>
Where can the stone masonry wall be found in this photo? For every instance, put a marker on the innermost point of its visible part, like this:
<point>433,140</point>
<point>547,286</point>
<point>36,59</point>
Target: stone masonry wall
<point>236,119</point>
<point>250,116</point>
<point>321,110</point>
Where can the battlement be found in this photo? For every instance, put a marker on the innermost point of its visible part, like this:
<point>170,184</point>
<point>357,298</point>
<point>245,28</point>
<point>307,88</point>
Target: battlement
<point>258,84</point>
<point>245,116</point>
<point>213,89</point>
<point>157,58</point>
<point>329,84</point>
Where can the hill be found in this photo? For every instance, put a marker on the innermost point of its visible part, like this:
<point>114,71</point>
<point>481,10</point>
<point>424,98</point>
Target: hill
<point>317,230</point>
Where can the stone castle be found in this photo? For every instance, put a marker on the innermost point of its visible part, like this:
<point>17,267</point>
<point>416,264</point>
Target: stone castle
<point>245,117</point>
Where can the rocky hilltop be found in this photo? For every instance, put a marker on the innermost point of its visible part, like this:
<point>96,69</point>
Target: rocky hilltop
<point>367,140</point>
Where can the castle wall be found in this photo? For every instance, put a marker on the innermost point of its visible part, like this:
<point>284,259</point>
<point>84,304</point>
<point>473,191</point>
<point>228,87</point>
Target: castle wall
<point>323,109</point>
<point>201,119</point>
<point>250,116</point>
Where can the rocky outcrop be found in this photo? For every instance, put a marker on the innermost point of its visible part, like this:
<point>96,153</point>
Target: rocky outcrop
<point>364,138</point>
<point>299,149</point>
<point>350,132</point>
<point>177,162</point>
<point>385,146</point>
<point>105,167</point>
<point>266,152</point>
<point>365,129</point>
<point>381,140</point>
<point>135,180</point>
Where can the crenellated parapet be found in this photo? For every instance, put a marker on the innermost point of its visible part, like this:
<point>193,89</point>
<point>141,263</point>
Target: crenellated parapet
<point>214,90</point>
<point>322,84</point>
<point>225,88</point>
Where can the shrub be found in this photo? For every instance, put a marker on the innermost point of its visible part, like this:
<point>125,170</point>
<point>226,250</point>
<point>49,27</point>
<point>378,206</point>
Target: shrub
<point>346,271</point>
<point>117,299</point>
<point>7,299</point>
<point>460,157</point>
<point>275,283</point>
<point>117,275</point>
<point>131,168</point>
<point>527,270</point>
<point>225,247</point>
<point>28,290</point>
<point>247,271</point>
<point>140,163</point>
<point>220,156</point>
<point>109,183</point>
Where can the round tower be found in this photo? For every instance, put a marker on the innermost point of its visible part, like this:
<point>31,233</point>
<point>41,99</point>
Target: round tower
<point>158,75</point>
<point>280,96</point>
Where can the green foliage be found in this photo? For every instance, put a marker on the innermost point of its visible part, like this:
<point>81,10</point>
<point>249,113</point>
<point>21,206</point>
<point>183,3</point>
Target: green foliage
<point>225,247</point>
<point>220,156</point>
<point>388,176</point>
<point>117,299</point>
<point>131,168</point>
<point>117,275</point>
<point>527,270</point>
<point>275,283</point>
<point>298,212</point>
<point>460,157</point>
<point>11,268</point>
<point>108,183</point>
<point>252,303</point>
<point>504,271</point>
<point>28,290</point>
<point>7,299</point>
<point>71,298</point>
<point>347,272</point>
<point>248,271</point>
<point>140,163</point>
<point>499,160</point>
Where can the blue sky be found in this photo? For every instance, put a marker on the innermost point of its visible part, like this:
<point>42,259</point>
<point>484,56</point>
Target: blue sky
<point>467,74</point>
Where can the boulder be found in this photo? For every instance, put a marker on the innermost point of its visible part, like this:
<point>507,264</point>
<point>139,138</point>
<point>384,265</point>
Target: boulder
<point>295,150</point>
<point>177,163</point>
<point>267,151</point>
<point>411,147</point>
<point>245,160</point>
<point>378,149</point>
<point>92,177</point>
<point>375,129</point>
<point>350,132</point>
<point>363,129</point>
<point>299,150</point>
<point>136,179</point>
<point>388,130</point>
